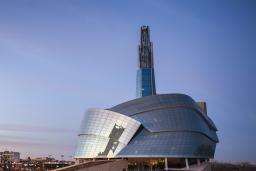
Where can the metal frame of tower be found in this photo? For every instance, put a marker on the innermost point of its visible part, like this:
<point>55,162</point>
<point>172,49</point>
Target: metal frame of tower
<point>145,73</point>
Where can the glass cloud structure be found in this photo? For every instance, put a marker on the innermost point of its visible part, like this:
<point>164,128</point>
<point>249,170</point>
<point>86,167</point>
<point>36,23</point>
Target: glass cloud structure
<point>166,125</point>
<point>150,126</point>
<point>104,133</point>
<point>172,125</point>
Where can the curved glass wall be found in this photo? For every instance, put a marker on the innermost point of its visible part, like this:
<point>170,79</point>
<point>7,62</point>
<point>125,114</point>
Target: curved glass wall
<point>151,103</point>
<point>175,119</point>
<point>104,133</point>
<point>169,144</point>
<point>172,126</point>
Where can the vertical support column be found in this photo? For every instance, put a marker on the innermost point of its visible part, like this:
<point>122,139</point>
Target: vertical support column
<point>198,162</point>
<point>187,165</point>
<point>166,163</point>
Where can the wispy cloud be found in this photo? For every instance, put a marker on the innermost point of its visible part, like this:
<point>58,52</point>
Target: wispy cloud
<point>37,141</point>
<point>33,128</point>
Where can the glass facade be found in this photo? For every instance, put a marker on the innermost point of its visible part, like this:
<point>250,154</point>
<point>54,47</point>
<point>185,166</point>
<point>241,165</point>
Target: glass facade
<point>177,119</point>
<point>168,125</point>
<point>104,133</point>
<point>173,126</point>
<point>145,82</point>
<point>169,144</point>
<point>163,101</point>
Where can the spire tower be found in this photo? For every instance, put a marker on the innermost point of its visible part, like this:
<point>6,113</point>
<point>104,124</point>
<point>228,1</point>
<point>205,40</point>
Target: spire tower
<point>145,73</point>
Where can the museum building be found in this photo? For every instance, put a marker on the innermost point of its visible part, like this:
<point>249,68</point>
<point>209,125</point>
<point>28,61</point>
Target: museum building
<point>153,129</point>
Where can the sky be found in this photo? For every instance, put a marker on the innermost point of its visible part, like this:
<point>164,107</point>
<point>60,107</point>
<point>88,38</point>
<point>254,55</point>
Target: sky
<point>59,58</point>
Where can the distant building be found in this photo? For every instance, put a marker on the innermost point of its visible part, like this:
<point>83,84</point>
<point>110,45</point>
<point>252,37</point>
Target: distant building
<point>9,156</point>
<point>159,131</point>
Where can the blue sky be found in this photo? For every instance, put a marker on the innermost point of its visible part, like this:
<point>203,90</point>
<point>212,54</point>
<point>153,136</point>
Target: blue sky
<point>58,58</point>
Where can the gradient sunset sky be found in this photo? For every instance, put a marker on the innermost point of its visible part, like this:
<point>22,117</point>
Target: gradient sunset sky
<point>58,58</point>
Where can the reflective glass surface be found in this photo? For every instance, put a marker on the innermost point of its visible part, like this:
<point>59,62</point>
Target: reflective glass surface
<point>175,119</point>
<point>104,133</point>
<point>148,103</point>
<point>171,125</point>
<point>145,85</point>
<point>171,144</point>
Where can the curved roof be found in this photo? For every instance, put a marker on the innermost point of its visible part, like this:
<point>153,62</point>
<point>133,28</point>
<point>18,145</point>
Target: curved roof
<point>174,120</point>
<point>158,102</point>
<point>104,133</point>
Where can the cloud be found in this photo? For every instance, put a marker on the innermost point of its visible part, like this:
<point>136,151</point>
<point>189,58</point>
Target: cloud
<point>32,128</point>
<point>37,141</point>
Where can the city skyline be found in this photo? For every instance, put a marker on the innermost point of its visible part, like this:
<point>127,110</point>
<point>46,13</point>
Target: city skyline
<point>52,56</point>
